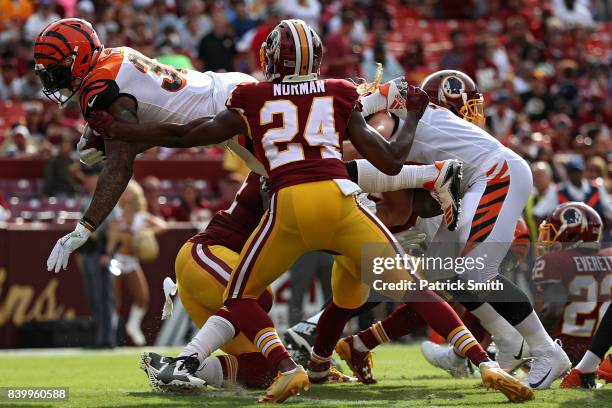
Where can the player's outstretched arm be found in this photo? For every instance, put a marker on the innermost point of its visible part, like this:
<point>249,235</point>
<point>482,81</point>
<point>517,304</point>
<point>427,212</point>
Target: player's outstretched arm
<point>111,183</point>
<point>387,156</point>
<point>200,132</point>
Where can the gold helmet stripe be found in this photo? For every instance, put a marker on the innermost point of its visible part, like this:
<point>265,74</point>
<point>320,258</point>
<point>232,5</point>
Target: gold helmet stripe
<point>298,48</point>
<point>305,52</point>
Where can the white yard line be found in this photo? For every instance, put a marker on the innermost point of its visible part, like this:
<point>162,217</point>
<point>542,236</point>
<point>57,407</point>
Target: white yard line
<point>75,351</point>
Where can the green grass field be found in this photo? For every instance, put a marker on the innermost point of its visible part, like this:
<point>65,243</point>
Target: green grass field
<point>113,379</point>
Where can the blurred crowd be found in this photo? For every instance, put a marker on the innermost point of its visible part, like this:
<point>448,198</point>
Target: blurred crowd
<point>543,66</point>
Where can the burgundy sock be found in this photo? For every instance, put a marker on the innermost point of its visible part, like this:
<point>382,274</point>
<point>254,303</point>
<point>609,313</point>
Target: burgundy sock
<point>255,323</point>
<point>444,320</point>
<point>399,323</point>
<point>329,329</point>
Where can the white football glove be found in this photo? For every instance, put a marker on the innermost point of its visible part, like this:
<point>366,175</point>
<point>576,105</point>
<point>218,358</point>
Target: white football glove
<point>89,156</point>
<point>64,247</point>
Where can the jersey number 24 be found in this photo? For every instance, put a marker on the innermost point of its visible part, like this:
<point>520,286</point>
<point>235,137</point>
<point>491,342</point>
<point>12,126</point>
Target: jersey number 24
<point>319,131</point>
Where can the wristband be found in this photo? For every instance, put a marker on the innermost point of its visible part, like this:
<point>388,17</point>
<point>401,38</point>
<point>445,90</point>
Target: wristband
<point>89,224</point>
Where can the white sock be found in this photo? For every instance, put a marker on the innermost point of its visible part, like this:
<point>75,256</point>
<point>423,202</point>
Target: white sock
<point>372,180</point>
<point>358,344</point>
<point>533,332</point>
<point>315,319</point>
<point>373,103</point>
<point>494,323</point>
<point>589,363</point>
<point>211,371</point>
<point>136,315</point>
<point>213,335</point>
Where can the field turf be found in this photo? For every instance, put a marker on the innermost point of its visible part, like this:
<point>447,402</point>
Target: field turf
<point>113,379</point>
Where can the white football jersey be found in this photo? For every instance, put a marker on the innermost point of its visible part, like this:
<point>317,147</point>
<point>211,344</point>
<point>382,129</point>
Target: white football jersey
<point>163,93</point>
<point>441,135</point>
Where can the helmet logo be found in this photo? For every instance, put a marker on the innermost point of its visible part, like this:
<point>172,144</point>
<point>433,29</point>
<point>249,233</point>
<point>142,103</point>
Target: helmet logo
<point>453,87</point>
<point>572,217</point>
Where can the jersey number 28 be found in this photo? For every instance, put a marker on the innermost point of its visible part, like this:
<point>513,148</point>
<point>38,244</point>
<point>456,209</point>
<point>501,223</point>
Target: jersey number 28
<point>173,81</point>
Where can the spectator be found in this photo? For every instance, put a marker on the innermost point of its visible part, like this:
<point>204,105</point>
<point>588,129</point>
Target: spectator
<point>307,10</point>
<point>501,116</point>
<point>94,267</point>
<point>578,188</point>
<point>242,23</point>
<point>190,203</point>
<point>195,24</point>
<point>151,187</point>
<point>597,172</point>
<point>573,12</point>
<point>19,143</point>
<point>43,16</point>
<point>27,87</point>
<point>218,49</point>
<point>391,68</point>
<point>8,79</point>
<point>544,192</point>
<point>58,180</point>
<point>458,54</point>
<point>537,102</point>
<point>340,60</point>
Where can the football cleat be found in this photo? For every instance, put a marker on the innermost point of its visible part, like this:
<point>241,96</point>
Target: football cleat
<point>446,190</point>
<point>577,379</point>
<point>444,357</point>
<point>325,373</point>
<point>300,339</point>
<point>511,355</point>
<point>493,377</point>
<point>151,363</point>
<point>178,374</point>
<point>604,371</point>
<point>395,91</point>
<point>360,363</point>
<point>286,385</point>
<point>549,364</point>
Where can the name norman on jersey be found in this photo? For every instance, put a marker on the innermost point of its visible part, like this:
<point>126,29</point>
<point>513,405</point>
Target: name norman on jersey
<point>304,88</point>
<point>297,129</point>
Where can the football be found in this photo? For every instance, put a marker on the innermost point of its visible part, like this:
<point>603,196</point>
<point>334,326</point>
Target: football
<point>93,139</point>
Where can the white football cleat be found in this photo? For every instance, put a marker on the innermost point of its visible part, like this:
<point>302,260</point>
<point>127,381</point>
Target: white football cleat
<point>395,91</point>
<point>550,363</point>
<point>446,190</point>
<point>444,357</point>
<point>179,375</point>
<point>511,355</point>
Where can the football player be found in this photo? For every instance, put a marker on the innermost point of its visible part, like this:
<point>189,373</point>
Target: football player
<point>495,186</point>
<point>71,61</point>
<point>574,282</point>
<point>297,124</point>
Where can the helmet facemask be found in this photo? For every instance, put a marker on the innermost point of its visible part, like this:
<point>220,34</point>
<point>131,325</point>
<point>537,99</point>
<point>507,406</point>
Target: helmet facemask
<point>473,110</point>
<point>58,83</point>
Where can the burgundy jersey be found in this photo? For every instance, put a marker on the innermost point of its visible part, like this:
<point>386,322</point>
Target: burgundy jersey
<point>587,276</point>
<point>297,129</point>
<point>232,227</point>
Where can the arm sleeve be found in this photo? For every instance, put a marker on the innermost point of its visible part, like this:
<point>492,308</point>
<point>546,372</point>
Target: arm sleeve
<point>98,95</point>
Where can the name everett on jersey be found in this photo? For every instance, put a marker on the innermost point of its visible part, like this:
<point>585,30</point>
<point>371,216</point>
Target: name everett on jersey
<point>303,88</point>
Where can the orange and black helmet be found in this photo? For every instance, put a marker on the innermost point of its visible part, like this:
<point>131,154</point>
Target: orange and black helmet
<point>292,52</point>
<point>457,92</point>
<point>64,54</point>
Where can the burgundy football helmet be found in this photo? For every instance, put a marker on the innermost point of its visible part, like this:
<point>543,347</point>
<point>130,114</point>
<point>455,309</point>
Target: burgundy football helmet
<point>292,52</point>
<point>571,222</point>
<point>457,92</point>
